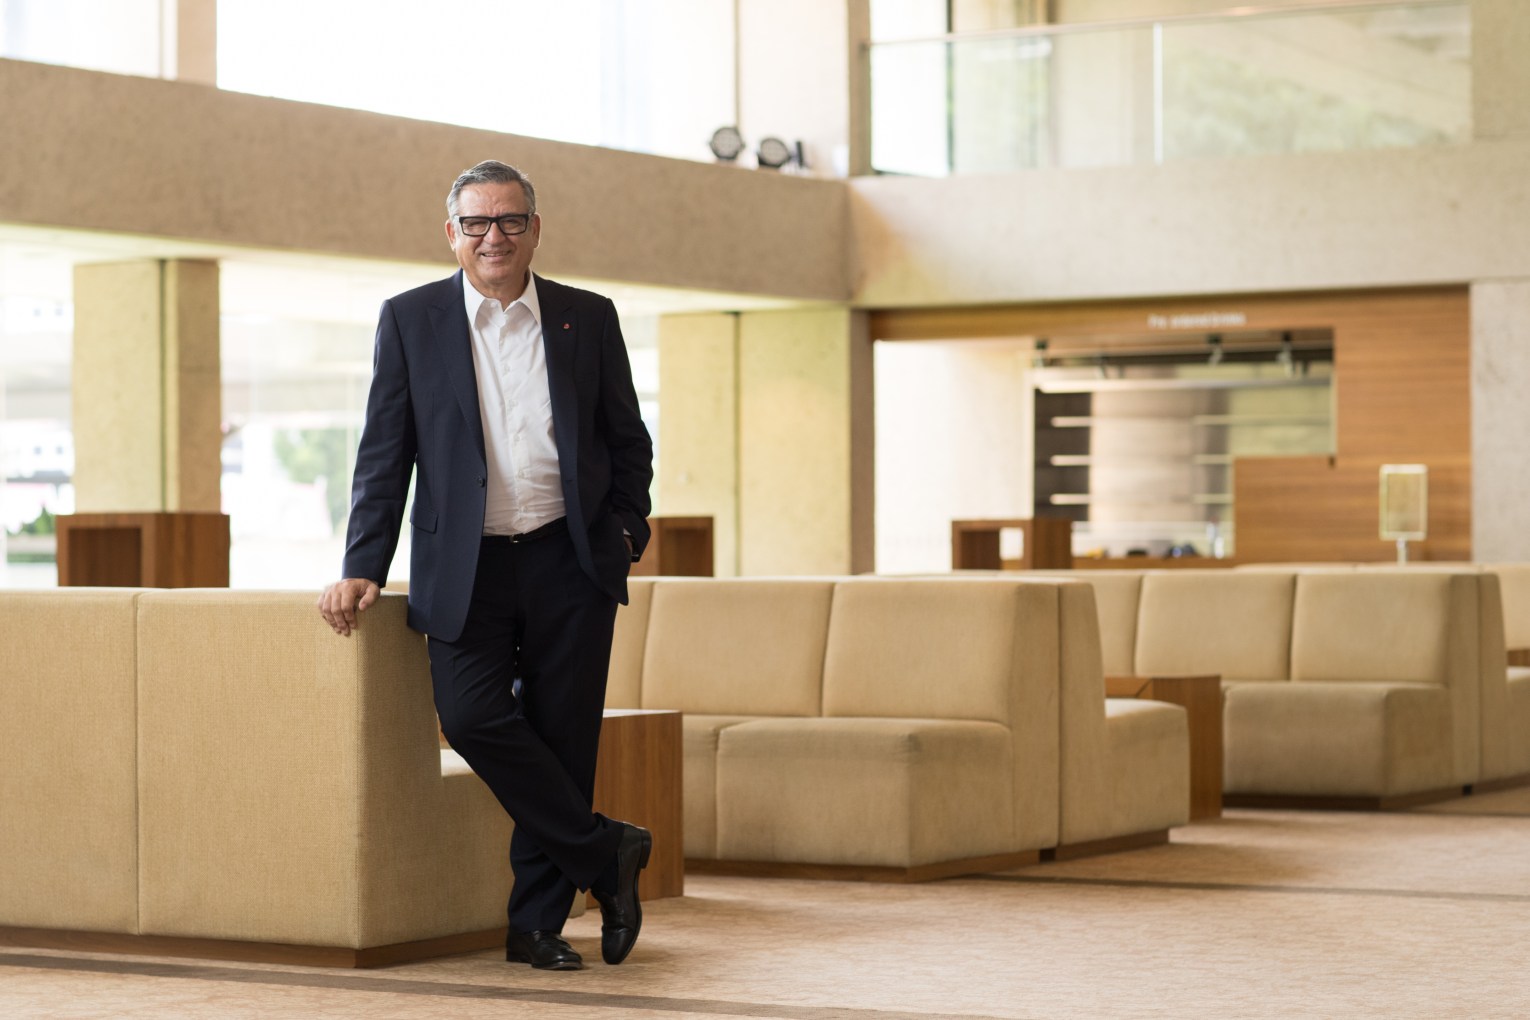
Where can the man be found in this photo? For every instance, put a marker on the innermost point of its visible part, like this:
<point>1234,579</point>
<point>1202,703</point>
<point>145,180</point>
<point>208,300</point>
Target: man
<point>511,397</point>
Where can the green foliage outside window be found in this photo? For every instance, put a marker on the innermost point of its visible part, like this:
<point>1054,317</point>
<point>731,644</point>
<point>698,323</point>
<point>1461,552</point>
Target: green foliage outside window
<point>310,454</point>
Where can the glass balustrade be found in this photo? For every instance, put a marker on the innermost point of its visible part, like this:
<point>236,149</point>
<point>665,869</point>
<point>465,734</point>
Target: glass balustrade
<point>1361,76</point>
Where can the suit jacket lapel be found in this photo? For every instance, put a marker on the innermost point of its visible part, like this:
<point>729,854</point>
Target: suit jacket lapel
<point>448,315</point>
<point>560,338</point>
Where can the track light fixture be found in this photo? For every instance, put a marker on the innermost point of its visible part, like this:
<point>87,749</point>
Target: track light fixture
<point>1214,341</point>
<point>726,144</point>
<point>773,153</point>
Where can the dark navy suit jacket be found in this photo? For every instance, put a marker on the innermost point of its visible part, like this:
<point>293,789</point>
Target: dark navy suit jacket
<point>422,415</point>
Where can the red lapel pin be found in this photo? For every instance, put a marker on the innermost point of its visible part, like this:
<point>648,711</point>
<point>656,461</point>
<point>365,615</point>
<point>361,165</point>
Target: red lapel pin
<point>565,325</point>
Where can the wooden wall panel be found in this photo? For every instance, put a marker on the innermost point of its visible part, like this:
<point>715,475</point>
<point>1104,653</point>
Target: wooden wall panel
<point>1319,509</point>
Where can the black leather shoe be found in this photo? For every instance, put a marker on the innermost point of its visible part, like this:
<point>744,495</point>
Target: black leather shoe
<point>621,915</point>
<point>544,950</point>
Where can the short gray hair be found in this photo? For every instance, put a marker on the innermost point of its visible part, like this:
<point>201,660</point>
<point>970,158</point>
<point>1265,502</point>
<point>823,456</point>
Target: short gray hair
<point>491,171</point>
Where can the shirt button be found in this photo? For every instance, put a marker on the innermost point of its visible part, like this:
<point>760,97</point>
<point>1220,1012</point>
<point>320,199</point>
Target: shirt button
<point>480,481</point>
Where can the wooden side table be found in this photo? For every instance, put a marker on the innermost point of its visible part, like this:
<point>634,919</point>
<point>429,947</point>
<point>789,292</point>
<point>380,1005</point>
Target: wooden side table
<point>678,547</point>
<point>638,780</point>
<point>143,550</point>
<point>1201,698</point>
<point>1046,543</point>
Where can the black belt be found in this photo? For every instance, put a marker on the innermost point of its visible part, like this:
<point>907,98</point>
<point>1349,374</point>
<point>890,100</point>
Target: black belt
<point>557,527</point>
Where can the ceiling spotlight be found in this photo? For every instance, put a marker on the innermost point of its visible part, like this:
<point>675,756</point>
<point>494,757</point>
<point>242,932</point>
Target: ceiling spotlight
<point>726,144</point>
<point>1215,342</point>
<point>1286,357</point>
<point>773,153</point>
<point>1039,359</point>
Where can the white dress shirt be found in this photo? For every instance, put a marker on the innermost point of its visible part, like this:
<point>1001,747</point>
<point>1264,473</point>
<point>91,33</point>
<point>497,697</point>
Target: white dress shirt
<point>524,485</point>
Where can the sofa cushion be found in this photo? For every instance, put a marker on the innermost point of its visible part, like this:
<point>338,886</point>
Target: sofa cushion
<point>1116,593</point>
<point>1337,739</point>
<point>935,649</point>
<point>624,681</point>
<point>1391,626</point>
<point>1236,624</point>
<point>700,735</point>
<point>871,792</point>
<point>737,646</point>
<point>1514,583</point>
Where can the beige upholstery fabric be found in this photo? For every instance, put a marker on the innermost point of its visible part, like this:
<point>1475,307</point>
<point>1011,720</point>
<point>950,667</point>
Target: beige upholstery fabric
<point>1125,766</point>
<point>1337,739</point>
<point>1506,710</point>
<point>1514,586</point>
<point>624,682</point>
<point>1397,627</point>
<point>1370,626</point>
<point>1116,593</point>
<point>292,788</point>
<point>736,646</point>
<point>1149,784</point>
<point>869,792</point>
<point>700,779</point>
<point>68,760</point>
<point>1232,623</point>
<point>1505,737</point>
<point>983,650</point>
<point>1516,718</point>
<point>935,649</point>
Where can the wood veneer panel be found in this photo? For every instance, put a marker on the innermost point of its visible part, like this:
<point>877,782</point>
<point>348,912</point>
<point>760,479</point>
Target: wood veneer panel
<point>638,780</point>
<point>151,550</point>
<point>1186,316</point>
<point>1115,844</point>
<point>1301,509</point>
<point>250,952</point>
<point>867,873</point>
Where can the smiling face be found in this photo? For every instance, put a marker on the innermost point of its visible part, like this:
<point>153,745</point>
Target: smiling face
<point>495,264</point>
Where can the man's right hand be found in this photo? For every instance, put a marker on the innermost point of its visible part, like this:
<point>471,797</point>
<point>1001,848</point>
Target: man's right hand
<point>342,600</point>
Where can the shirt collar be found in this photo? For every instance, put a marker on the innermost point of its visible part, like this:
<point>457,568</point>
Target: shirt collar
<point>474,301</point>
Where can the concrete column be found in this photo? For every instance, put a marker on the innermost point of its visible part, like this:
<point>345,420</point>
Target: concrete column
<point>698,426</point>
<point>189,41</point>
<point>806,442</point>
<point>1500,73</point>
<point>146,386</point>
<point>1500,420</point>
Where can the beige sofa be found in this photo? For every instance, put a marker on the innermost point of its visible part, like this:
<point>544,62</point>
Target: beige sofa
<point>217,773</point>
<point>894,729</point>
<point>1359,687</point>
<point>1505,692</point>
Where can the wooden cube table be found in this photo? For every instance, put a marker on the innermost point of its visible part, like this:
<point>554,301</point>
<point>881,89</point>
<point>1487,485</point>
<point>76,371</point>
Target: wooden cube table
<point>638,780</point>
<point>1201,698</point>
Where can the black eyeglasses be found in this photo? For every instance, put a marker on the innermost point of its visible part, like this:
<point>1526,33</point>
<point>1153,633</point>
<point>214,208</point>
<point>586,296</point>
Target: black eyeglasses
<point>509,224</point>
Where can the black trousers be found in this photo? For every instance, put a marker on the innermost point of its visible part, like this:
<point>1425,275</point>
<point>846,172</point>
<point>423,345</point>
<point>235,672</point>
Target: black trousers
<point>520,696</point>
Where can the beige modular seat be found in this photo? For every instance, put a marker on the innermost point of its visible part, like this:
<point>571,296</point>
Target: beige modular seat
<point>895,728</point>
<point>1384,692</point>
<point>1125,763</point>
<point>292,788</point>
<point>726,652</point>
<point>1506,715</point>
<point>936,743</point>
<point>1344,687</point>
<point>69,760</point>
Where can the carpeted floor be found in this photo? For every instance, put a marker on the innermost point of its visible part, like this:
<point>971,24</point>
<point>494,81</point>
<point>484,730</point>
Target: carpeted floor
<point>1258,914</point>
